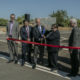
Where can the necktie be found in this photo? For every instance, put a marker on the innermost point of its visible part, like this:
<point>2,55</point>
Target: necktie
<point>27,29</point>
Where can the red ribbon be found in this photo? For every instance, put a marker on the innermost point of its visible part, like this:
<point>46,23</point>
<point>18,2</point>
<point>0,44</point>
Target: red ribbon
<point>48,45</point>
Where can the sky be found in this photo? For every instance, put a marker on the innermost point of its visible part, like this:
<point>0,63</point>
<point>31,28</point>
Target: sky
<point>38,8</point>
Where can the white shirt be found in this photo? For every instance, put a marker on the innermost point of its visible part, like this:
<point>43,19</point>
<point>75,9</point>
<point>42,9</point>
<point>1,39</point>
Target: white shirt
<point>40,29</point>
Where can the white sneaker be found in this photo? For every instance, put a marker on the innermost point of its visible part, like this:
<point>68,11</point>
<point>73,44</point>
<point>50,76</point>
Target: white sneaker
<point>55,71</point>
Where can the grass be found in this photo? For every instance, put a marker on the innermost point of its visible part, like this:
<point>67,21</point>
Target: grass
<point>3,28</point>
<point>65,28</point>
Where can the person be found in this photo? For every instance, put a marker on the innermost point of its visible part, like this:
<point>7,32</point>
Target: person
<point>53,38</point>
<point>26,35</point>
<point>13,32</point>
<point>38,33</point>
<point>74,53</point>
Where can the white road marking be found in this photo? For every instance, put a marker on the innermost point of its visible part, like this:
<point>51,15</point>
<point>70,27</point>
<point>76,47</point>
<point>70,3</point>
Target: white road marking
<point>3,40</point>
<point>38,67</point>
<point>44,69</point>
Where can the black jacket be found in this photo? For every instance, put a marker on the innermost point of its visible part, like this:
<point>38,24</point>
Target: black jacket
<point>71,38</point>
<point>36,33</point>
<point>53,38</point>
<point>24,35</point>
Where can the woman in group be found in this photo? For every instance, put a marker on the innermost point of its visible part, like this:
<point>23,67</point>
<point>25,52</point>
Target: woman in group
<point>53,38</point>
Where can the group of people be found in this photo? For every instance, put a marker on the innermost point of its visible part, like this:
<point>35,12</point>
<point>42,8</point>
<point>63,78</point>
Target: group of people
<point>38,34</point>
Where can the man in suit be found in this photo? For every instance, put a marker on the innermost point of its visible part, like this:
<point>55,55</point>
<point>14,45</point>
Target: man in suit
<point>26,35</point>
<point>53,38</point>
<point>74,53</point>
<point>13,32</point>
<point>38,33</point>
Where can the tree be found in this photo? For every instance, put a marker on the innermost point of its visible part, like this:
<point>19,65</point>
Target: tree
<point>61,16</point>
<point>20,19</point>
<point>3,22</point>
<point>78,22</point>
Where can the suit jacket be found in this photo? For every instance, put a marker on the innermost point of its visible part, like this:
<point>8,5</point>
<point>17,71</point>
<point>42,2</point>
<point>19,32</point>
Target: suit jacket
<point>15,30</point>
<point>53,38</point>
<point>71,38</point>
<point>24,34</point>
<point>36,33</point>
<point>74,39</point>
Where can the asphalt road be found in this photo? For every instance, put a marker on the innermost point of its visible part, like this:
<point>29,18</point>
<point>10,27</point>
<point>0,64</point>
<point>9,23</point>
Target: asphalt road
<point>16,72</point>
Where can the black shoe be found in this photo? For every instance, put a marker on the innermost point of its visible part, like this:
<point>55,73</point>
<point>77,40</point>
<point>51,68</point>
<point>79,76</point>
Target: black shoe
<point>16,61</point>
<point>10,61</point>
<point>23,62</point>
<point>34,66</point>
<point>72,75</point>
<point>49,66</point>
<point>29,61</point>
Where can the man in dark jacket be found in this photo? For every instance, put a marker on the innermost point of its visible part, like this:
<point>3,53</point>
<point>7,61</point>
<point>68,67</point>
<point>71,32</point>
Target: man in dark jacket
<point>38,33</point>
<point>53,38</point>
<point>74,53</point>
<point>26,35</point>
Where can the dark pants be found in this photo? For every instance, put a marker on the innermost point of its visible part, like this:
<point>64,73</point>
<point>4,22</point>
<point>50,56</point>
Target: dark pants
<point>74,62</point>
<point>41,53</point>
<point>26,48</point>
<point>52,59</point>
